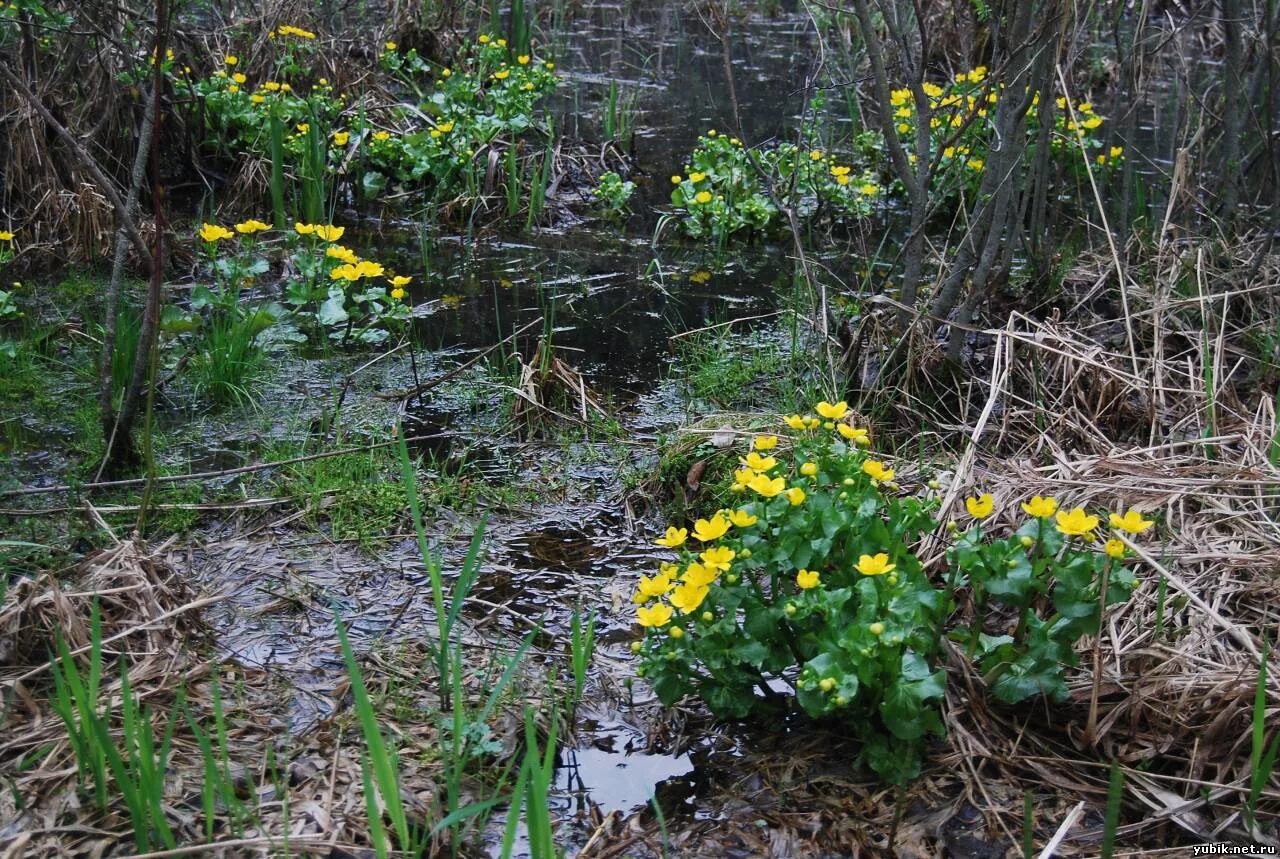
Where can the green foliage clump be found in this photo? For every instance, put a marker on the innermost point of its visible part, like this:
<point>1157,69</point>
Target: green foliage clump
<point>811,591</point>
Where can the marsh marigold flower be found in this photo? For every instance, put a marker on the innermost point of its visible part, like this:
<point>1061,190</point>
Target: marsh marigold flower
<point>340,138</point>
<point>1131,522</point>
<point>718,557</point>
<point>980,507</point>
<point>657,615</point>
<point>231,59</point>
<point>857,435</point>
<point>397,293</point>
<point>674,538</point>
<point>806,579</point>
<point>341,252</point>
<point>400,280</point>
<point>764,442</point>
<point>756,462</point>
<point>708,530</point>
<point>523,59</point>
<point>6,236</point>
<point>214,233</point>
<point>328,232</point>
<point>832,412</point>
<point>702,197</point>
<point>809,469</point>
<point>743,519</point>
<point>762,485</point>
<point>1075,523</point>
<point>875,565</point>
<point>251,226</point>
<point>1114,548</point>
<point>1040,507</point>
<point>687,597</point>
<point>876,470</point>
<point>795,495</point>
<point>699,575</point>
<point>652,587</point>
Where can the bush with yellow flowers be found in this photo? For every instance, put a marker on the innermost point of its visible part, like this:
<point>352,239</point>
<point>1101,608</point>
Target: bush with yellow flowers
<point>1039,591</point>
<point>491,91</point>
<point>809,590</point>
<point>962,115</point>
<point>723,188</point>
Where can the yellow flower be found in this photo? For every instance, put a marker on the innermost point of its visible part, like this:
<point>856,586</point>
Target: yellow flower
<point>756,462</point>
<point>764,442</point>
<point>981,506</point>
<point>932,89</point>
<point>381,135</point>
<point>839,170</point>
<point>1114,548</point>
<point>214,233</point>
<point>796,422</point>
<point>743,519</point>
<point>1041,508</point>
<point>233,89</point>
<point>1117,151</point>
<point>815,155</point>
<point>328,232</point>
<point>484,38</point>
<point>676,179</point>
<point>390,46</point>
<point>304,229</point>
<point>877,471</point>
<point>869,189</point>
<point>742,477</point>
<point>502,74</point>
<point>806,579</point>
<point>340,138</point>
<point>809,469</point>
<point>674,537</point>
<point>707,530</point>
<point>658,615</point>
<point>857,435</point>
<point>231,59</point>
<point>502,43</point>
<point>397,293</point>
<point>651,588</point>
<point>303,127</point>
<point>832,412</point>
<point>687,597</point>
<point>369,269</point>
<point>345,272</point>
<point>976,164</point>
<point>271,86</point>
<point>795,495</point>
<point>702,197</point>
<point>251,226</point>
<point>695,178</point>
<point>899,97</point>
<point>341,252</point>
<point>1085,107</point>
<point>523,59</point>
<point>549,65</point>
<point>842,180</point>
<point>400,280</point>
<point>699,575</point>
<point>445,127</point>
<point>1131,522</point>
<point>718,557</point>
<point>6,236</point>
<point>257,98</point>
<point>1076,522</point>
<point>875,565</point>
<point>762,485</point>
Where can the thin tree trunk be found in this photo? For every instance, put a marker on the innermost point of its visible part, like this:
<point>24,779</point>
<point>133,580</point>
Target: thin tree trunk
<point>106,378</point>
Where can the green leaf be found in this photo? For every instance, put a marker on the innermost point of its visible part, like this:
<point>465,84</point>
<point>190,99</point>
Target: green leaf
<point>333,311</point>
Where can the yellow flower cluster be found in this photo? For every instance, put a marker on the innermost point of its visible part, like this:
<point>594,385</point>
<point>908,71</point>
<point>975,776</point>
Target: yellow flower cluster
<point>290,30</point>
<point>1076,522</point>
